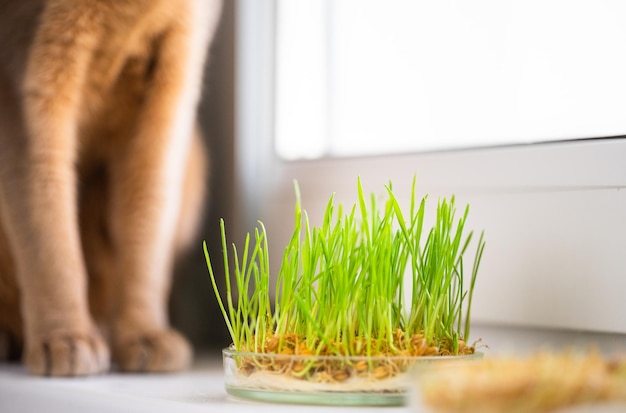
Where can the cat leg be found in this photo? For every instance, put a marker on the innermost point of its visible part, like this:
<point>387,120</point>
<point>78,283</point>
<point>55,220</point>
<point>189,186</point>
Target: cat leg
<point>147,186</point>
<point>39,202</point>
<point>160,348</point>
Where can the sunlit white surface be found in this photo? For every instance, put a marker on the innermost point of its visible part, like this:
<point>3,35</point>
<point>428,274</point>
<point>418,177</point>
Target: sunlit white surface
<point>198,390</point>
<point>359,77</point>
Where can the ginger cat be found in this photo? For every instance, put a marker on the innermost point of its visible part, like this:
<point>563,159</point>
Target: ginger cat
<point>102,176</point>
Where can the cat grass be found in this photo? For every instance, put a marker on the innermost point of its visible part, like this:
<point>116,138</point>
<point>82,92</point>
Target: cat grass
<point>370,281</point>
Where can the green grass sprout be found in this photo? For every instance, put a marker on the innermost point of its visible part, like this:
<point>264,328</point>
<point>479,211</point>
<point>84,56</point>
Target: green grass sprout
<point>367,282</point>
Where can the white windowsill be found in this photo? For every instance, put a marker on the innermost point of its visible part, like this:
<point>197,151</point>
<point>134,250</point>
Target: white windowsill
<point>202,388</point>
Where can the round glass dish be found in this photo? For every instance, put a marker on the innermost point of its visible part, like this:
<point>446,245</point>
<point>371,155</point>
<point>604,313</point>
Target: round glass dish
<point>323,380</point>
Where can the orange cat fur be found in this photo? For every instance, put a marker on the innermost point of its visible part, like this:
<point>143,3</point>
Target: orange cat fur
<point>101,177</point>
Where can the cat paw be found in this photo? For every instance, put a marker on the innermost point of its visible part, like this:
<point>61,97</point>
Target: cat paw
<point>67,354</point>
<point>154,351</point>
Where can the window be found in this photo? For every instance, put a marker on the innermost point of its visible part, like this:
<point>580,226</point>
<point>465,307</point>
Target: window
<point>518,92</point>
<point>366,77</point>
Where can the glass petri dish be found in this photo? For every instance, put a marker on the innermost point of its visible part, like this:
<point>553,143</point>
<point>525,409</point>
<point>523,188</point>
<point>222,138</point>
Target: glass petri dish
<point>324,380</point>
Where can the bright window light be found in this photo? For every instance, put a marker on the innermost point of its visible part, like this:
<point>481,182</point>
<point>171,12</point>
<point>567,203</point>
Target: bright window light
<point>364,77</point>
